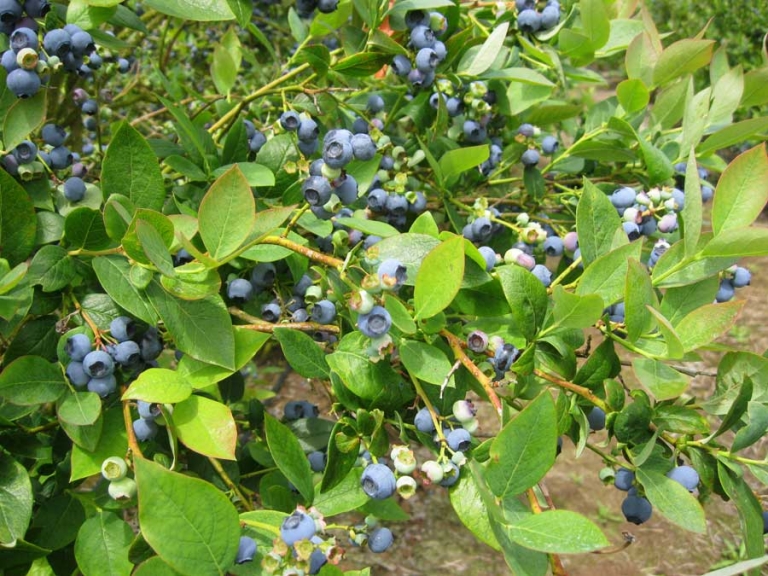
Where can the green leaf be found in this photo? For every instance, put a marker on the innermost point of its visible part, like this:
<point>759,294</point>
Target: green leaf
<point>362,377</point>
<point>663,382</point>
<point>172,504</point>
<point>112,272</point>
<point>424,361</point>
<point>130,168</point>
<point>206,426</point>
<point>638,295</point>
<point>673,501</point>
<point>23,118</point>
<point>633,95</point>
<point>738,243</point>
<point>255,174</point>
<point>154,247</point>
<point>16,501</point>
<point>526,296</point>
<point>439,278</point>
<point>594,18</point>
<point>289,457</point>
<point>658,166</point>
<point>52,268</point>
<point>740,194</point>
<point>79,408</point>
<point>596,223</point>
<point>755,428</point>
<point>750,510</point>
<point>703,325</point>
<point>558,532</point>
<point>113,441</point>
<point>31,380</point>
<point>159,385</point>
<point>524,449</point>
<point>692,208</point>
<point>212,11</point>
<point>223,69</point>
<point>488,51</point>
<point>401,318</point>
<point>606,275</point>
<point>200,328</point>
<point>455,162</point>
<point>572,311</point>
<point>154,566</point>
<point>18,225</point>
<point>339,462</point>
<point>680,420</point>
<point>302,353</point>
<point>733,134</point>
<point>470,508</point>
<point>682,57</point>
<point>84,228</point>
<point>346,496</point>
<point>102,545</point>
<point>374,227</point>
<point>739,568</point>
<point>226,214</point>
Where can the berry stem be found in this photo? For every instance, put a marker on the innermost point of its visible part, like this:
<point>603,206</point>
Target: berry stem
<point>261,326</point>
<point>133,444</point>
<point>585,393</point>
<point>432,411</point>
<point>88,320</point>
<point>230,484</point>
<point>485,382</point>
<point>304,251</point>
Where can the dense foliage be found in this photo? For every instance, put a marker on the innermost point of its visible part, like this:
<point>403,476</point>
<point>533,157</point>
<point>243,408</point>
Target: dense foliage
<point>423,208</point>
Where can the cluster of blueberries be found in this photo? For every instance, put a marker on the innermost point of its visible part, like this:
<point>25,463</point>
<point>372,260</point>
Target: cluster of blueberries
<point>70,47</point>
<point>424,29</point>
<point>531,20</point>
<point>636,508</point>
<point>305,8</point>
<point>504,353</point>
<point>133,351</point>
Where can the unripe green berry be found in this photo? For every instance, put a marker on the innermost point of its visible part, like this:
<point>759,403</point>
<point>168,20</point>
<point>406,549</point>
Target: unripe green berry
<point>123,489</point>
<point>114,468</point>
<point>27,58</point>
<point>330,173</point>
<point>406,486</point>
<point>404,461</point>
<point>433,471</point>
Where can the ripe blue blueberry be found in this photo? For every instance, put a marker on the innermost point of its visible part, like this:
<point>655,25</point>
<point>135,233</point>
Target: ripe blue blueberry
<point>151,345</point>
<point>10,11</point>
<point>725,292</point>
<point>103,386</point>
<point>98,364</point>
<point>530,157</point>
<point>616,312</point>
<point>263,275</point>
<point>324,312</point>
<point>57,42</point>
<point>624,479</point>
<point>451,477</point>
<point>122,328</point>
<point>317,190</point>
<point>345,187</point>
<point>549,145</point>
<point>127,353</point>
<point>473,132</point>
<point>78,346</point>
<point>376,323</point>
<point>257,141</point>
<point>380,539</point>
<point>8,61</point>
<point>623,197</point>
<point>423,421</point>
<point>527,130</point>
<point>377,199</point>
<point>375,104</point>
<point>308,148</point>
<point>316,561</point>
<point>741,277</point>
<point>82,43</point>
<point>23,83</point>
<point>596,419</point>
<point>239,290</point>
<point>90,107</point>
<point>74,189</point>
<point>246,550</point>
<point>765,522</point>
<point>147,410</point>
<point>25,152</point>
<point>378,481</point>
<point>477,341</point>
<point>290,120</point>
<point>543,274</point>
<point>707,193</point>
<point>297,526</point>
<point>553,246</point>
<point>422,37</point>
<point>401,65</point>
<point>77,375</point>
<point>550,16</point>
<point>489,255</point>
<point>317,461</point>
<point>298,409</point>
<point>363,147</point>
<point>61,157</point>
<point>392,274</point>
<point>504,356</point>
<point>415,18</point>
<point>397,204</point>
<point>308,130</point>
<point>636,509</point>
<point>426,60</point>
<point>327,6</point>
<point>454,106</point>
<point>631,229</point>
<point>686,476</point>
<point>418,204</point>
<point>271,311</point>
<point>482,228</point>
<point>337,152</point>
<point>459,440</point>
<point>528,20</point>
<point>24,38</point>
<point>144,429</point>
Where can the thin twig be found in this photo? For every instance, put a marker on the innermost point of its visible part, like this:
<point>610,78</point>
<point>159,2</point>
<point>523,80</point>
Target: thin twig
<point>485,382</point>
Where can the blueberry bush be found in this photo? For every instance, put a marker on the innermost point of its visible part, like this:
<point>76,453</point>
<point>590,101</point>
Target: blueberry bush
<point>425,208</point>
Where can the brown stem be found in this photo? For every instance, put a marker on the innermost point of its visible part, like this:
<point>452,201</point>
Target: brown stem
<point>133,444</point>
<point>230,484</point>
<point>304,251</point>
<point>89,321</point>
<point>262,326</point>
<point>485,382</point>
<point>580,390</point>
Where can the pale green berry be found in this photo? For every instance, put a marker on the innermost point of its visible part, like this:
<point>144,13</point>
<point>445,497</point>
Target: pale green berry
<point>406,486</point>
<point>471,426</point>
<point>124,489</point>
<point>404,462</point>
<point>114,468</point>
<point>433,471</point>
